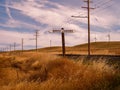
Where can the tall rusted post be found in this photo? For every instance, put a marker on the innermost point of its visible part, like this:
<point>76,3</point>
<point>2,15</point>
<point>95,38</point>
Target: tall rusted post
<point>63,41</point>
<point>62,31</point>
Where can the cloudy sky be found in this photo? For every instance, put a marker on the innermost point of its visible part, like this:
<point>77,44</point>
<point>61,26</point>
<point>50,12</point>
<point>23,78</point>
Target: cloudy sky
<point>20,18</point>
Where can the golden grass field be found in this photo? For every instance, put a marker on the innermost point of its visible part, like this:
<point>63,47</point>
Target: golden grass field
<point>45,71</point>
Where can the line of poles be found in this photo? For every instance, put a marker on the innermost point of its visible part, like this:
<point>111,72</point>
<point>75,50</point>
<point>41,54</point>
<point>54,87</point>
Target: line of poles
<point>12,47</point>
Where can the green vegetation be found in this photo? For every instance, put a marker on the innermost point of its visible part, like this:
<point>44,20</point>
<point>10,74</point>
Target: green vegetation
<point>36,71</point>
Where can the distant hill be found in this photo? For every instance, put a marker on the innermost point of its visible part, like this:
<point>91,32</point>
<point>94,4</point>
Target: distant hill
<point>102,48</point>
<point>103,45</point>
<point>96,48</point>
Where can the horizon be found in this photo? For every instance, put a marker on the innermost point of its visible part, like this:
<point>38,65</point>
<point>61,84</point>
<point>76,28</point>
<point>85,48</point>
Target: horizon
<point>20,19</point>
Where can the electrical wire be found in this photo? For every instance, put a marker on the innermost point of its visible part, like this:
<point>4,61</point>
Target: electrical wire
<point>103,7</point>
<point>102,3</point>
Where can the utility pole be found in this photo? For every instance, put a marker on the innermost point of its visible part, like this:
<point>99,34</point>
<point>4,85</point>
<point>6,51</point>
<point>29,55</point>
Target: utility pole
<point>3,49</point>
<point>10,47</point>
<point>95,39</point>
<point>109,37</point>
<point>88,2</point>
<point>7,49</point>
<point>36,38</point>
<point>63,38</point>
<point>14,46</point>
<point>22,44</point>
<point>88,9</point>
<point>50,43</point>
<point>0,50</point>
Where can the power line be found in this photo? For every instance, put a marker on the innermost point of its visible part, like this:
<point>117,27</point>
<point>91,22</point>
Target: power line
<point>106,7</point>
<point>98,1</point>
<point>101,3</point>
<point>102,8</point>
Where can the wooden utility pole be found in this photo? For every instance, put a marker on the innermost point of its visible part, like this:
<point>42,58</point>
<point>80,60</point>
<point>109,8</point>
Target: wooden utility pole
<point>88,9</point>
<point>3,49</point>
<point>10,47</point>
<point>50,43</point>
<point>22,44</point>
<point>14,46</point>
<point>95,39</point>
<point>7,49</point>
<point>88,2</point>
<point>63,38</point>
<point>109,41</point>
<point>0,49</point>
<point>36,37</point>
<point>108,37</point>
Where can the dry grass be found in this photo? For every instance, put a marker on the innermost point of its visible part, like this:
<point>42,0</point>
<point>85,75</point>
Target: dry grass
<point>47,72</point>
<point>100,48</point>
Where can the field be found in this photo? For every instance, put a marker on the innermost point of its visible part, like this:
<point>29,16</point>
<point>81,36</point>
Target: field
<point>97,48</point>
<point>45,70</point>
<point>39,71</point>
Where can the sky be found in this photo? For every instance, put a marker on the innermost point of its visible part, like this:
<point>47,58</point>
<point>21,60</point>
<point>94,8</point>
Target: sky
<point>21,18</point>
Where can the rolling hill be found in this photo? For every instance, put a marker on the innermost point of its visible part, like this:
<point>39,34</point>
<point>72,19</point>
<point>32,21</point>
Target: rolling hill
<point>111,48</point>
